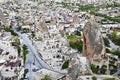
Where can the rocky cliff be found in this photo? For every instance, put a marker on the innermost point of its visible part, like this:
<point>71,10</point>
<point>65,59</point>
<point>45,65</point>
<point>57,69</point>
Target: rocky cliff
<point>93,45</point>
<point>78,66</point>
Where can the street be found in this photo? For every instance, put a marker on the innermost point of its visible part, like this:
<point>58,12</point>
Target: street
<point>33,61</point>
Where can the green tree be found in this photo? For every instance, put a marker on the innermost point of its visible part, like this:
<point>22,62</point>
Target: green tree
<point>65,64</point>
<point>19,50</point>
<point>24,47</point>
<point>77,33</point>
<point>94,78</point>
<point>76,45</point>
<point>114,35</point>
<point>46,77</point>
<point>115,39</point>
<point>108,50</point>
<point>93,68</point>
<point>8,29</point>
<point>106,41</point>
<point>25,52</point>
<point>33,34</point>
<point>109,79</point>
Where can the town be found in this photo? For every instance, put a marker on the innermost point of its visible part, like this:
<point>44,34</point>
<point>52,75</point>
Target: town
<point>59,40</point>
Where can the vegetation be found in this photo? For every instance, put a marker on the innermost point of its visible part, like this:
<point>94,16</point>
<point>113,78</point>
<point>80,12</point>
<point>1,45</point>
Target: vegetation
<point>65,5</point>
<point>71,37</point>
<point>103,69</point>
<point>116,53</point>
<point>65,64</point>
<point>47,21</point>
<point>19,28</point>
<point>77,33</point>
<point>33,34</point>
<point>86,7</point>
<point>113,71</point>
<point>75,42</point>
<point>113,35</point>
<point>76,45</point>
<point>94,78</point>
<point>46,77</point>
<point>26,30</point>
<point>108,50</point>
<point>113,5</point>
<point>117,28</point>
<point>14,43</point>
<point>106,42</point>
<point>93,9</point>
<point>8,29</point>
<point>115,39</point>
<point>109,79</point>
<point>25,52</point>
<point>19,50</point>
<point>105,16</point>
<point>113,52</point>
<point>93,68</point>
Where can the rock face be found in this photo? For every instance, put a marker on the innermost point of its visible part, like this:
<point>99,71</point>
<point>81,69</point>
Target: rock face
<point>74,68</point>
<point>93,44</point>
<point>78,66</point>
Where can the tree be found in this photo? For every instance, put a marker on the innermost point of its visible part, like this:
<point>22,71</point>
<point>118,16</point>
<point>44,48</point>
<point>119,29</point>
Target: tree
<point>93,68</point>
<point>24,47</point>
<point>109,79</point>
<point>76,45</point>
<point>108,50</point>
<point>46,77</point>
<point>33,34</point>
<point>25,52</point>
<point>65,64</point>
<point>77,33</point>
<point>94,78</point>
<point>114,35</point>
<point>115,39</point>
<point>19,50</point>
<point>106,42</point>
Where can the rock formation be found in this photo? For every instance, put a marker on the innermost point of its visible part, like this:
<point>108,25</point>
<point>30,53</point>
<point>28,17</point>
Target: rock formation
<point>78,66</point>
<point>93,44</point>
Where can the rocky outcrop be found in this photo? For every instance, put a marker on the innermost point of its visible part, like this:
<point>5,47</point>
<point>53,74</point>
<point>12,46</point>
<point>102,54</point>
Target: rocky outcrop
<point>93,45</point>
<point>78,66</point>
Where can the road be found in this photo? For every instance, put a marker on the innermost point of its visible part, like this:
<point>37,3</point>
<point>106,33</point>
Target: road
<point>113,46</point>
<point>32,57</point>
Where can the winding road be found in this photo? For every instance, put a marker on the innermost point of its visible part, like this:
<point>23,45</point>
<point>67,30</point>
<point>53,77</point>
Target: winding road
<point>32,57</point>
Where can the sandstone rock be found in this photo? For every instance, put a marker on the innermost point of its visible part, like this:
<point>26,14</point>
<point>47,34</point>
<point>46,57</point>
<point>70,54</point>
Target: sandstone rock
<point>93,44</point>
<point>78,67</point>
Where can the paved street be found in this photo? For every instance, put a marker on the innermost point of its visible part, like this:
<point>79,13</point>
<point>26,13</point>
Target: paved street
<point>33,61</point>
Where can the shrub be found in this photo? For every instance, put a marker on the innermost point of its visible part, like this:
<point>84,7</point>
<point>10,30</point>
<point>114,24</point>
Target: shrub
<point>65,64</point>
<point>46,77</point>
<point>77,33</point>
<point>109,79</point>
<point>19,50</point>
<point>94,78</point>
<point>25,52</point>
<point>93,68</point>
<point>106,41</point>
